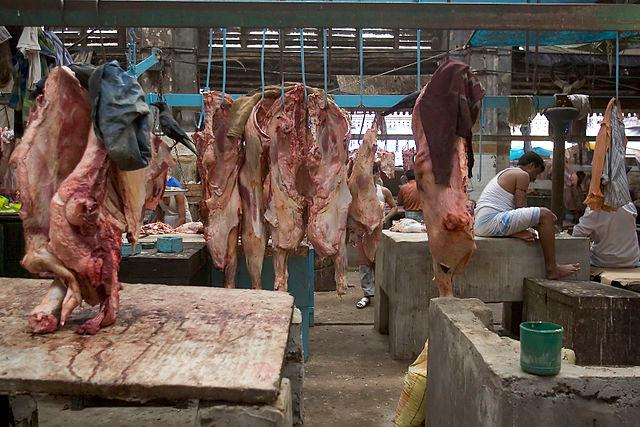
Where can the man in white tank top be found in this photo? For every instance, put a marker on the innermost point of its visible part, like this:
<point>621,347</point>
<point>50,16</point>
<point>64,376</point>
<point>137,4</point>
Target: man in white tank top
<point>501,212</point>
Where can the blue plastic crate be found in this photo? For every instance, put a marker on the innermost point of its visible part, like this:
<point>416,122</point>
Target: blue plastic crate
<point>126,249</point>
<point>300,285</point>
<point>169,244</point>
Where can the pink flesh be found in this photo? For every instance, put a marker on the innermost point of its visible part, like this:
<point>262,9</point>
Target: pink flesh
<point>365,211</point>
<point>75,206</point>
<point>407,159</point>
<point>251,180</point>
<point>218,164</point>
<point>329,196</point>
<point>449,224</point>
<point>51,147</point>
<point>84,238</point>
<point>289,144</point>
<point>388,164</point>
<point>157,173</point>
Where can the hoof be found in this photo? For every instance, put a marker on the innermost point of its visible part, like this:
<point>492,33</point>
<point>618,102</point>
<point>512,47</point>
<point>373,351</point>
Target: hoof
<point>42,323</point>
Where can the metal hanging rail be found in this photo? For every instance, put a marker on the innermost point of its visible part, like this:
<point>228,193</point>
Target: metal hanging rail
<point>512,15</point>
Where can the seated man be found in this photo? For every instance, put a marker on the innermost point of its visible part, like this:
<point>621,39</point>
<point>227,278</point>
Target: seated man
<point>409,198</point>
<point>173,210</point>
<point>613,236</point>
<point>501,211</point>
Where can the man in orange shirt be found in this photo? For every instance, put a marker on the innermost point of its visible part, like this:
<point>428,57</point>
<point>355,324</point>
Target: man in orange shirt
<point>409,198</point>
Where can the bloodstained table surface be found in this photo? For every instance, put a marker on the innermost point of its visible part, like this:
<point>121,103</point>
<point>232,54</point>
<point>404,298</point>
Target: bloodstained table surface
<point>169,342</point>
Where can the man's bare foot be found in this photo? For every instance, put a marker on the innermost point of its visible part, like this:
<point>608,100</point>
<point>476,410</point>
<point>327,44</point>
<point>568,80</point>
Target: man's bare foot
<point>526,235</point>
<point>562,270</point>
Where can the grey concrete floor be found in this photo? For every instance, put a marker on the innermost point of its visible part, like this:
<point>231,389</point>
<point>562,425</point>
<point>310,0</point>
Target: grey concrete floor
<point>350,377</point>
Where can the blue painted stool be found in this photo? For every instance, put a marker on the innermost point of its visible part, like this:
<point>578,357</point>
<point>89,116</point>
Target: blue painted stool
<point>301,276</point>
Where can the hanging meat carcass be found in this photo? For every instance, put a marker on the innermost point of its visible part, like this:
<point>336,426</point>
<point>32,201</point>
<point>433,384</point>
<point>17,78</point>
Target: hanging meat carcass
<point>387,163</point>
<point>251,182</point>
<point>365,211</point>
<point>288,180</point>
<point>76,205</point>
<point>85,239</point>
<point>218,165</point>
<point>408,155</point>
<point>442,120</point>
<point>328,193</point>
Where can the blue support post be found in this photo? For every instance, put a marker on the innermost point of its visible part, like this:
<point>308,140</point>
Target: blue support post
<point>361,48</point>
<point>480,139</point>
<point>304,79</point>
<point>224,62</point>
<point>264,40</point>
<point>324,64</point>
<point>617,65</point>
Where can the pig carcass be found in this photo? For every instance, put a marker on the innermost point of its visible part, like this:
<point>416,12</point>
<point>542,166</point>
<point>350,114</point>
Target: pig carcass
<point>442,119</point>
<point>365,212</point>
<point>328,195</point>
<point>218,165</point>
<point>251,181</point>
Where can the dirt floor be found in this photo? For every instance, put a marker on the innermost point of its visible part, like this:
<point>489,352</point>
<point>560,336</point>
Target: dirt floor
<point>350,377</point>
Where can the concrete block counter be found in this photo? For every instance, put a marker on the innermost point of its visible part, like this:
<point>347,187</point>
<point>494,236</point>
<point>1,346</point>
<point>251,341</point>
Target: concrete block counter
<point>404,280</point>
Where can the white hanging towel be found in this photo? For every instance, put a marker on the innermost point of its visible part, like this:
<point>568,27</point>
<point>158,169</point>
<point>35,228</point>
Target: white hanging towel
<point>30,48</point>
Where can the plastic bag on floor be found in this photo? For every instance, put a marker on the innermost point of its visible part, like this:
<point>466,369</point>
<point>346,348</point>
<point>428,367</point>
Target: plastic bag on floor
<point>410,410</point>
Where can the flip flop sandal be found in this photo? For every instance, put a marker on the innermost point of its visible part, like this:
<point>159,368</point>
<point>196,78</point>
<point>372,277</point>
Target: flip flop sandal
<point>364,301</point>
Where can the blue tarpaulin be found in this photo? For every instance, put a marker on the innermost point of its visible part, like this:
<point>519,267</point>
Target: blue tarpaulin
<point>559,38</point>
<point>516,153</point>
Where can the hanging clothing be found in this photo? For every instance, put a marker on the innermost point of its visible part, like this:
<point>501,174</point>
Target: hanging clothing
<point>449,108</point>
<point>29,46</point>
<point>609,188</point>
<point>61,54</point>
<point>581,103</point>
<point>521,110</point>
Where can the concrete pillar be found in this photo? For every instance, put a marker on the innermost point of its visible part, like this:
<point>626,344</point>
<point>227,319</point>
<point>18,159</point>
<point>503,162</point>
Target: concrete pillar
<point>179,57</point>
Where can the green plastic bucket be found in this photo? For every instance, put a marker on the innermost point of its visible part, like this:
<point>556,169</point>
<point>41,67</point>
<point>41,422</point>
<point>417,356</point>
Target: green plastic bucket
<point>540,347</point>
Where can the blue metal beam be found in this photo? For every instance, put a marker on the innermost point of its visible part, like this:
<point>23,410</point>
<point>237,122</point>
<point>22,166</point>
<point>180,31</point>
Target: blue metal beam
<point>194,100</point>
<point>149,62</point>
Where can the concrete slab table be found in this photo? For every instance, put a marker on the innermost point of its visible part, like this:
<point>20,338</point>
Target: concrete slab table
<point>170,343</point>
<point>404,280</point>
